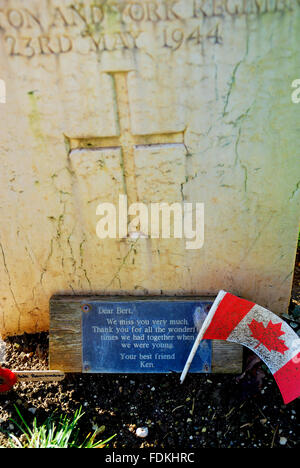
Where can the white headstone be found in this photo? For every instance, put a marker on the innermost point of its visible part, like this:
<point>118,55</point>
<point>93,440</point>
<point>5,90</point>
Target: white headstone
<point>165,101</point>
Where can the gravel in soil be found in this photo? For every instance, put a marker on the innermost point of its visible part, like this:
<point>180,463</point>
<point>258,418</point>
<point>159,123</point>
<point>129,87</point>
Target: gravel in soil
<point>208,410</point>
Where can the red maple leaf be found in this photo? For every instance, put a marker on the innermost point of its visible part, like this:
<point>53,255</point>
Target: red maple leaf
<point>268,336</point>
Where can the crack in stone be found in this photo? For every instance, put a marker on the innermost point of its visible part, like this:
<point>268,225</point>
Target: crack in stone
<point>124,260</point>
<point>233,77</point>
<point>257,238</point>
<point>295,191</point>
<point>44,268</point>
<point>81,263</point>
<point>10,285</point>
<point>74,262</point>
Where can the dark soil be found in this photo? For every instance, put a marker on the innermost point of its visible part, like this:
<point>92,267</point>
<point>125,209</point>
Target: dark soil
<point>206,411</point>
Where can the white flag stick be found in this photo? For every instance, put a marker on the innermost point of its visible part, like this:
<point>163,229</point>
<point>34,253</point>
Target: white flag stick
<point>201,334</point>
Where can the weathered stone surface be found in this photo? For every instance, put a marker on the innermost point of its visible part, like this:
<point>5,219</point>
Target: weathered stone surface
<point>198,94</point>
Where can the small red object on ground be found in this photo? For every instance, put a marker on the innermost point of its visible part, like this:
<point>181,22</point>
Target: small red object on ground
<point>7,380</point>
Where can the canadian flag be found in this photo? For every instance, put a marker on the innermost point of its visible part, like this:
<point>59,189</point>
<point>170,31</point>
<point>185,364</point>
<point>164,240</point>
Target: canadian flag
<point>273,340</point>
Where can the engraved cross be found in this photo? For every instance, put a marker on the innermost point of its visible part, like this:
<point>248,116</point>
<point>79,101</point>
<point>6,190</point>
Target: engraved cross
<point>125,138</point>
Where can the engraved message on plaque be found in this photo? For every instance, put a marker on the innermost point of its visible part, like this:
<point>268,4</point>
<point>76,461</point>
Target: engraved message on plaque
<point>143,336</point>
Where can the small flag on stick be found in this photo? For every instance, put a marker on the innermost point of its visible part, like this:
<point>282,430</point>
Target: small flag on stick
<point>273,340</point>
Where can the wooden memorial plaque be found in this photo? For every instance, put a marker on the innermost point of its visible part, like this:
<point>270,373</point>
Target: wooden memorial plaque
<point>96,334</point>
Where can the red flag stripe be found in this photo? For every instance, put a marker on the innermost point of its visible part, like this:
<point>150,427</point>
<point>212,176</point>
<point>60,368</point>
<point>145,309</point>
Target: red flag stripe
<point>288,379</point>
<point>228,315</point>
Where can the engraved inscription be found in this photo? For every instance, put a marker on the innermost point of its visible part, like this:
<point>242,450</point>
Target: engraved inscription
<point>62,44</point>
<point>86,28</point>
<point>141,337</point>
<point>174,38</point>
